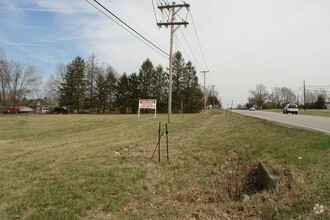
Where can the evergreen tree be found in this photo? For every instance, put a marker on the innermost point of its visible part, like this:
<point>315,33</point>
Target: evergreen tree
<point>160,91</point>
<point>101,90</point>
<point>72,90</point>
<point>191,91</point>
<point>146,75</point>
<point>178,72</point>
<point>320,103</point>
<point>123,98</point>
<point>134,83</point>
<point>111,82</point>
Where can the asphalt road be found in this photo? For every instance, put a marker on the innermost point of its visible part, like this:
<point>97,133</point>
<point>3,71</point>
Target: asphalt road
<point>308,122</point>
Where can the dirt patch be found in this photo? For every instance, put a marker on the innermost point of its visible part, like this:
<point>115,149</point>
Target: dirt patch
<point>4,142</point>
<point>98,214</point>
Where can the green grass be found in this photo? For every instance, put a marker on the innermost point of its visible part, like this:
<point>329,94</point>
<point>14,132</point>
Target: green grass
<point>65,167</point>
<point>314,112</point>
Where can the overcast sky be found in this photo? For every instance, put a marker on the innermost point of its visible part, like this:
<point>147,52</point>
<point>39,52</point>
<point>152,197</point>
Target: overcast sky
<point>245,42</point>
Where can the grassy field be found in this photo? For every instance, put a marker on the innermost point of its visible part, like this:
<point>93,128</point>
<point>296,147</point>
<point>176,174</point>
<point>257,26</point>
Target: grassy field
<point>99,167</point>
<point>315,112</point>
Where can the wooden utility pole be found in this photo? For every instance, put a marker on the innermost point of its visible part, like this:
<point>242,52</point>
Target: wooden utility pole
<point>213,95</point>
<point>205,96</point>
<point>173,9</point>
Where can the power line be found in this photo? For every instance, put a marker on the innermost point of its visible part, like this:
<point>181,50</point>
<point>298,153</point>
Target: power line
<point>189,48</point>
<point>125,24</point>
<point>138,27</point>
<point>199,43</point>
<point>184,50</point>
<point>153,7</point>
<point>141,29</point>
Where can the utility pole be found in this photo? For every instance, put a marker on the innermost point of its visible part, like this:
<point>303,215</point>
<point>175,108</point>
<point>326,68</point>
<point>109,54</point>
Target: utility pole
<point>205,97</point>
<point>173,9</point>
<point>304,96</point>
<point>212,96</point>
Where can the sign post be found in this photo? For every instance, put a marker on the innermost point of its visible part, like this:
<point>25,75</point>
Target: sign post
<point>147,104</point>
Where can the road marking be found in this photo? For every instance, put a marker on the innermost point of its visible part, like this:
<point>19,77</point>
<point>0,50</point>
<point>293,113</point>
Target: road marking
<point>282,122</point>
<point>300,125</point>
<point>297,116</point>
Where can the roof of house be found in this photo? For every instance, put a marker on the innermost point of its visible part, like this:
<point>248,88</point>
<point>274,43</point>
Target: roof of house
<point>44,102</point>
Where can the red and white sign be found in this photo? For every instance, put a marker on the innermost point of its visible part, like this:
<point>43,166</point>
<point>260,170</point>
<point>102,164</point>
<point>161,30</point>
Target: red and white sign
<point>148,103</point>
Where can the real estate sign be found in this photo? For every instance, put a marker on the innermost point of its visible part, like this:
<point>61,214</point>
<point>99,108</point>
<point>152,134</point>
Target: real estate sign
<point>147,104</point>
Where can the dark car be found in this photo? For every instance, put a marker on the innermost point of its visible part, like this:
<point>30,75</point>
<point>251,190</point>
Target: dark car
<point>60,110</point>
<point>11,111</point>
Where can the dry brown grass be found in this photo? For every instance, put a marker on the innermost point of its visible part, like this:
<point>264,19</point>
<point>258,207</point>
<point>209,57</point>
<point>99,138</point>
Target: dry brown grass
<point>66,166</point>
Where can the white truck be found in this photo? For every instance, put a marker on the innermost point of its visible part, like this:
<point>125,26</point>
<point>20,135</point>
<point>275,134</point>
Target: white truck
<point>290,108</point>
<point>24,109</point>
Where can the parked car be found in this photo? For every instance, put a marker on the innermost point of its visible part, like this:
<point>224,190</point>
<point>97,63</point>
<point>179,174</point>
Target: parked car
<point>24,109</point>
<point>290,108</point>
<point>11,111</point>
<point>60,110</point>
<point>83,111</point>
<point>252,109</point>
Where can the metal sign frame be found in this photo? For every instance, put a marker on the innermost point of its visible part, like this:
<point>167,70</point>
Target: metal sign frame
<point>147,104</point>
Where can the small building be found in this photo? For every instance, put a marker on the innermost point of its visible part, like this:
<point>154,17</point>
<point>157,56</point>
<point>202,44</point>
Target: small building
<point>43,106</point>
<point>327,103</point>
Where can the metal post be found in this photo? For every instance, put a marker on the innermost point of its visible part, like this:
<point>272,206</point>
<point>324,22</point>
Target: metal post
<point>168,156</point>
<point>159,141</point>
<point>304,96</point>
<point>213,96</point>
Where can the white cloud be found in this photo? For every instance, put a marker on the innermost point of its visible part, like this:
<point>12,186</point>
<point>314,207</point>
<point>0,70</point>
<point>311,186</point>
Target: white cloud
<point>276,43</point>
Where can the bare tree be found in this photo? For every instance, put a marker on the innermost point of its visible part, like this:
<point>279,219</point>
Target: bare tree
<point>287,95</point>
<point>276,96</point>
<point>92,69</point>
<point>3,77</point>
<point>2,54</point>
<point>321,92</point>
<point>17,81</point>
<point>282,96</point>
<point>310,97</point>
<point>54,82</point>
<point>259,95</point>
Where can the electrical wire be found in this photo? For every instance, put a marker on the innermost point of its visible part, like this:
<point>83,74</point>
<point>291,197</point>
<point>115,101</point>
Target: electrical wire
<point>140,28</point>
<point>200,46</point>
<point>184,50</point>
<point>192,53</point>
<point>146,41</point>
<point>153,6</point>
<point>199,43</point>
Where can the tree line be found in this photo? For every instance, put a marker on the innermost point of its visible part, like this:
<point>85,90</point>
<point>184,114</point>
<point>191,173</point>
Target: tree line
<point>279,97</point>
<point>86,84</point>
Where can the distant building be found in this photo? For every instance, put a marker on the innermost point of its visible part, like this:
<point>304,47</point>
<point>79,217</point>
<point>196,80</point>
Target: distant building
<point>327,103</point>
<point>43,106</point>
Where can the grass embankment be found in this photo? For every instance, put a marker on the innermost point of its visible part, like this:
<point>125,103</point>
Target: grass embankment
<point>67,167</point>
<point>314,112</point>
